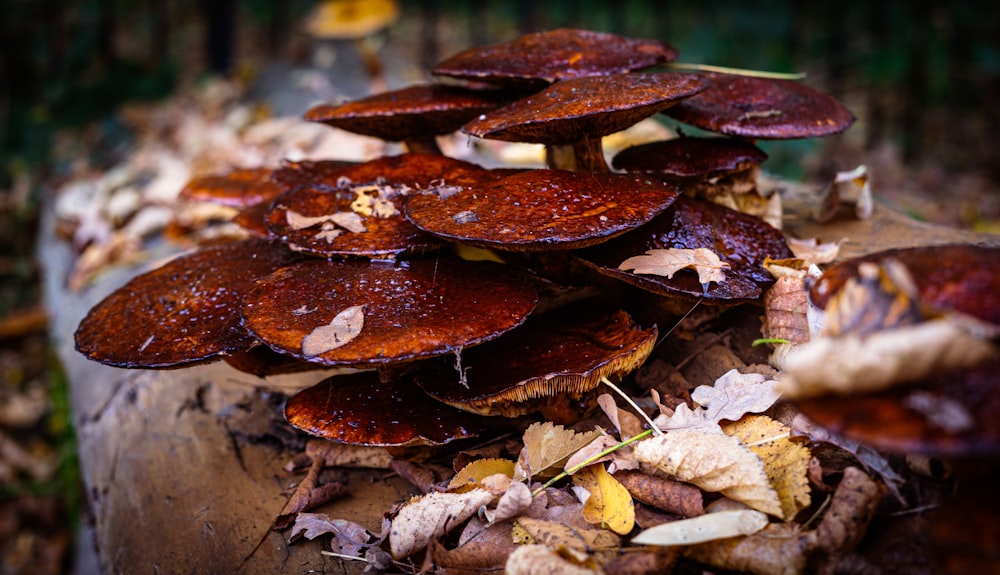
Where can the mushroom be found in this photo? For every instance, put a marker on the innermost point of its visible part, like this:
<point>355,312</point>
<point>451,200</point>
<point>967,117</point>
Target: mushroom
<point>239,188</point>
<point>358,21</point>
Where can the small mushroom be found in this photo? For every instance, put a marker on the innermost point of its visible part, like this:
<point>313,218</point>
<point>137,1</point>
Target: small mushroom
<point>360,22</point>
<point>548,364</point>
<point>239,188</point>
<point>360,409</point>
<point>580,111</point>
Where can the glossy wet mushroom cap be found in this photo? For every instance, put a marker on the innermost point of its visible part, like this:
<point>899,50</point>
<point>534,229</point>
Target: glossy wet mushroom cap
<point>359,409</point>
<point>361,314</point>
<point>740,240</point>
<point>763,108</point>
<point>690,157</point>
<point>561,54</point>
<point>541,209</point>
<point>239,188</point>
<point>359,212</point>
<point>323,174</point>
<point>548,361</point>
<point>183,312</point>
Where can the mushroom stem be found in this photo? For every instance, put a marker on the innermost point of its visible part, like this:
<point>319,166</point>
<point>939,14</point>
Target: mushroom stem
<point>423,146</point>
<point>585,155</point>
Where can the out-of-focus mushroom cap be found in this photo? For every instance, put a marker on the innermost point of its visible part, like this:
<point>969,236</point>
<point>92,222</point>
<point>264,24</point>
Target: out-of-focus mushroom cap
<point>763,108</point>
<point>961,277</point>
<point>322,174</point>
<point>414,112</point>
<point>555,55</point>
<point>252,220</point>
<point>351,19</point>
<point>541,209</point>
<point>361,212</point>
<point>411,309</point>
<point>186,311</point>
<point>262,361</point>
<point>742,240</point>
<point>239,188</point>
<point>361,410</point>
<point>587,107</point>
<point>691,157</point>
<point>546,358</point>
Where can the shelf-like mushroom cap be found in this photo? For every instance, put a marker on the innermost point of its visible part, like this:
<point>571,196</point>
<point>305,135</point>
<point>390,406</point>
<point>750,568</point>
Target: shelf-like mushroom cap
<point>547,360</point>
<point>585,108</point>
<point>739,240</point>
<point>185,311</point>
<point>360,314</point>
<point>763,108</point>
<point>360,213</point>
<point>322,174</point>
<point>360,409</point>
<point>239,188</point>
<point>541,209</point>
<point>416,112</point>
<point>558,54</point>
<point>689,157</point>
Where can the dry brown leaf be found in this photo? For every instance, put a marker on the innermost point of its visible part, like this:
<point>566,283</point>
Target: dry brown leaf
<point>484,554</point>
<point>618,459</point>
<point>779,549</point>
<point>474,472</point>
<point>813,251</point>
<point>546,447</point>
<point>681,498</point>
<point>534,559</point>
<point>851,510</point>
<point>667,262</point>
<point>430,516</point>
<point>707,527</point>
<point>344,327</point>
<point>515,501</point>
<point>348,538</point>
<point>786,462</point>
<point>609,505</point>
<point>625,422</point>
<point>733,395</point>
<point>340,455</point>
<point>555,534</point>
<point>716,463</point>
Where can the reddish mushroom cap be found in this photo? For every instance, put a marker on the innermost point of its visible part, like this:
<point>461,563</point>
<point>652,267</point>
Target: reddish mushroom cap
<point>555,55</point>
<point>359,409</point>
<point>239,188</point>
<point>183,312</point>
<point>763,108</point>
<point>361,212</point>
<point>410,309</point>
<point>541,209</point>
<point>691,157</point>
<point>419,112</point>
<point>310,173</point>
<point>741,240</point>
<point>548,358</point>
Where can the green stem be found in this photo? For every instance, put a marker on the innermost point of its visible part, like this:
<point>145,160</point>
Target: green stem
<point>591,460</point>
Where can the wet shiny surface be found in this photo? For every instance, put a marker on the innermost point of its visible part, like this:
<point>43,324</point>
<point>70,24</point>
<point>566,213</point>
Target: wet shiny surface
<point>689,157</point>
<point>239,188</point>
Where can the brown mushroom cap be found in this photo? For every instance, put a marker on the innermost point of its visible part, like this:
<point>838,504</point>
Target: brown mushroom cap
<point>239,188</point>
<point>253,220</point>
<point>183,312</point>
<point>411,309</point>
<point>585,108</point>
<point>310,173</point>
<point>691,157</point>
<point>741,240</point>
<point>555,55</point>
<point>360,213</point>
<point>415,112</point>
<point>541,209</point>
<point>361,410</point>
<point>764,108</point>
<point>549,358</point>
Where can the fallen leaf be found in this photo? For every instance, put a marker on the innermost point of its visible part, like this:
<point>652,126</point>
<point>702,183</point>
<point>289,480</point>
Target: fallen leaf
<point>625,422</point>
<point>344,327</point>
<point>707,527</point>
<point>778,549</point>
<point>350,221</point>
<point>733,395</point>
<point>515,501</point>
<point>619,458</point>
<point>546,446</point>
<point>667,262</point>
<point>348,538</point>
<point>609,505</point>
<point>851,510</point>
<point>663,493</point>
<point>717,463</point>
<point>786,462</point>
<point>813,251</point>
<point>430,516</point>
<point>474,472</point>
<point>533,559</point>
<point>340,455</point>
<point>483,554</point>
<point>598,542</point>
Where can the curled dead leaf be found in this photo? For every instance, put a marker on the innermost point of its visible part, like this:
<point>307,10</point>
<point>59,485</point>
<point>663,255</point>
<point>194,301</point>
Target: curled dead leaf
<point>708,527</point>
<point>609,505</point>
<point>428,517</point>
<point>546,445</point>
<point>778,549</point>
<point>668,261</point>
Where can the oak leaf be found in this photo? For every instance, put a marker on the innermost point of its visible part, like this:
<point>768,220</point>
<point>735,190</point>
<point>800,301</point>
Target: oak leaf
<point>430,516</point>
<point>344,327</point>
<point>609,505</point>
<point>546,446</point>
<point>733,395</point>
<point>666,262</point>
<point>707,527</point>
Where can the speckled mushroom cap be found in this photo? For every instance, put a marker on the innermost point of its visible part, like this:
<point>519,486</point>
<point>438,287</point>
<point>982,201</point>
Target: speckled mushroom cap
<point>549,358</point>
<point>360,409</point>
<point>541,209</point>
<point>184,312</point>
<point>359,212</point>
<point>560,54</point>
<point>402,311</point>
<point>321,174</point>
<point>763,108</point>
<point>239,188</point>
<point>741,240</point>
<point>690,157</point>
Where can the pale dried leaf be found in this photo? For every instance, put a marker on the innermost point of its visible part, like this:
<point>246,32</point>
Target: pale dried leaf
<point>619,458</point>
<point>348,537</point>
<point>515,501</point>
<point>344,327</point>
<point>350,221</point>
<point>431,516</point>
<point>733,395</point>
<point>716,463</point>
<point>547,445</point>
<point>534,559</point>
<point>708,527</point>
<point>778,549</point>
<point>813,251</point>
<point>667,262</point>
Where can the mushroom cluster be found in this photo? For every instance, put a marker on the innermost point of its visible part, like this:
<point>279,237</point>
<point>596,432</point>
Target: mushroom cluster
<point>433,275</point>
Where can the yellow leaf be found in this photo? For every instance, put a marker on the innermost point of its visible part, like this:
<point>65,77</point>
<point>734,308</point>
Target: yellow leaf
<point>667,262</point>
<point>708,527</point>
<point>785,461</point>
<point>610,504</point>
<point>344,327</point>
<point>717,463</point>
<point>474,472</point>
<point>546,446</point>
